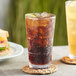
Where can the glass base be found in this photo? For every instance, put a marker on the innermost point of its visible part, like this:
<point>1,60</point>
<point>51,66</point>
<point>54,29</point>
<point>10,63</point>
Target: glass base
<point>72,56</point>
<point>39,66</point>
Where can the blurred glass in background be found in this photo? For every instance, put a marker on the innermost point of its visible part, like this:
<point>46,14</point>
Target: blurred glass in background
<point>12,18</point>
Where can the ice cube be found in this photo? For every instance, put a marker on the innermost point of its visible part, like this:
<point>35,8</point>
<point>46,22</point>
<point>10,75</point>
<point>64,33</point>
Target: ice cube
<point>37,14</point>
<point>45,14</point>
<point>72,3</point>
<point>71,10</point>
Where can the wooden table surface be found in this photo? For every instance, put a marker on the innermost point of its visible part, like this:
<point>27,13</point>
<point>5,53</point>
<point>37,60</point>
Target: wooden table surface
<point>12,67</point>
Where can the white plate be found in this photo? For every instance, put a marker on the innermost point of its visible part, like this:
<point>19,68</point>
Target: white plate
<point>16,51</point>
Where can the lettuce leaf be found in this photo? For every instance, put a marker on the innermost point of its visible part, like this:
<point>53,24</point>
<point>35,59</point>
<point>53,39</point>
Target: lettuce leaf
<point>2,48</point>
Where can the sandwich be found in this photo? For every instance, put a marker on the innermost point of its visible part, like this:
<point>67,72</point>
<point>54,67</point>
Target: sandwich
<point>4,46</point>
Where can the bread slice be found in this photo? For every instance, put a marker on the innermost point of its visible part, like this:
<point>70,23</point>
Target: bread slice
<point>4,33</point>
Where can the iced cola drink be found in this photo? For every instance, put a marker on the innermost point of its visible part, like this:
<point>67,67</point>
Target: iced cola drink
<point>40,32</point>
<point>71,27</point>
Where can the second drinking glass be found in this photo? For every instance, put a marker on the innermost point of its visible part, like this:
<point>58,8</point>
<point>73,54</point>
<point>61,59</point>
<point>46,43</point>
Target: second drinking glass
<point>71,27</point>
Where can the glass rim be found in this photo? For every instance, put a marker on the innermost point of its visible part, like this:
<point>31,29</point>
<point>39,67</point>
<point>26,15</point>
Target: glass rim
<point>67,2</point>
<point>52,17</point>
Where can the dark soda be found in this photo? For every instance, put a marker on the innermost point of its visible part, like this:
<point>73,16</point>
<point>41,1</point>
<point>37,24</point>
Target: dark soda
<point>40,32</point>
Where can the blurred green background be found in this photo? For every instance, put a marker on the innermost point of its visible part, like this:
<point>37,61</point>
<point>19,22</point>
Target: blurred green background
<point>15,19</point>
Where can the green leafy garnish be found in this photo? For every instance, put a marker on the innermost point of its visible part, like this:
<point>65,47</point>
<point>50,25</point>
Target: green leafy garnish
<point>2,48</point>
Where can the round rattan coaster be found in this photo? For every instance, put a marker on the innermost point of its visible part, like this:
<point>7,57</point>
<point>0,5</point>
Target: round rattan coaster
<point>49,70</point>
<point>67,60</point>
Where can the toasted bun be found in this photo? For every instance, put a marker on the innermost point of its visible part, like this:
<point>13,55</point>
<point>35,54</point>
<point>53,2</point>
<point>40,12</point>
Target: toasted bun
<point>5,52</point>
<point>4,33</point>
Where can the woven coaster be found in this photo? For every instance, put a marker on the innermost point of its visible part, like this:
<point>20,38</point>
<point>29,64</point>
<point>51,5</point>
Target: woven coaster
<point>49,70</point>
<point>67,60</point>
